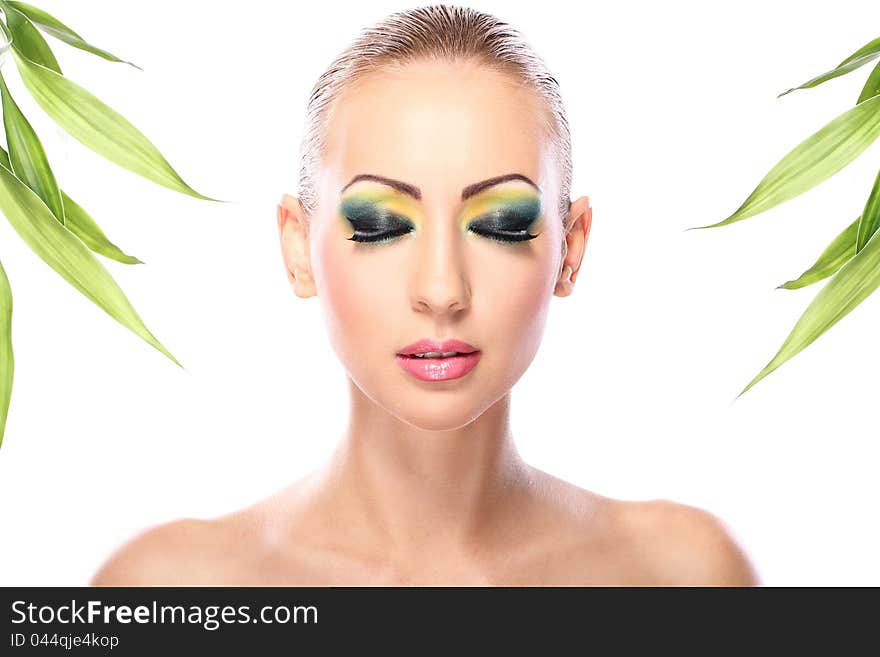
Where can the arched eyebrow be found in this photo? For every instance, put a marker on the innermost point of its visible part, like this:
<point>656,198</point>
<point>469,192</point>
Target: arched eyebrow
<point>399,185</point>
<point>416,193</point>
<point>471,190</point>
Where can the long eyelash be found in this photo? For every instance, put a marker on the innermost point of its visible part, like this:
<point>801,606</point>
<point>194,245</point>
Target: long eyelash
<point>378,238</point>
<point>507,237</point>
<point>510,237</point>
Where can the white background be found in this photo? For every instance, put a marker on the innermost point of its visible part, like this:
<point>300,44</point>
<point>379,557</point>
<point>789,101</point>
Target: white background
<point>675,119</point>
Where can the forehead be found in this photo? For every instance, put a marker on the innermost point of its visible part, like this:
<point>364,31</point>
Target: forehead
<point>433,122</point>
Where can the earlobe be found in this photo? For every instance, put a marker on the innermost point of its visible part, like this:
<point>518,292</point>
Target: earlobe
<point>564,283</point>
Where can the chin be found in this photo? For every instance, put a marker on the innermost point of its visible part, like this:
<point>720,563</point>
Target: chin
<point>440,420</point>
<point>435,410</point>
<point>447,410</point>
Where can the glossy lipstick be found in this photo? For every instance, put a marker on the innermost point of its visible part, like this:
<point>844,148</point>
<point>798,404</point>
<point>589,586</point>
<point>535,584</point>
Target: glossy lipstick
<point>438,368</point>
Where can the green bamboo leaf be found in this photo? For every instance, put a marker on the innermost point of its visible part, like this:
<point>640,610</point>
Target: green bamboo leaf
<point>28,39</point>
<point>59,30</point>
<point>29,161</point>
<point>98,126</point>
<point>851,285</point>
<point>7,360</point>
<point>872,85</point>
<point>841,249</point>
<point>863,55</point>
<point>870,219</point>
<point>814,160</point>
<point>67,255</point>
<point>83,226</point>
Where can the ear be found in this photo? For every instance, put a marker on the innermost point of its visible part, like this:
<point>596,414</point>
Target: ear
<point>293,229</point>
<point>577,231</point>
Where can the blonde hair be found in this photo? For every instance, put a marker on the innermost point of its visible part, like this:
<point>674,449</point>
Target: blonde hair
<point>441,32</point>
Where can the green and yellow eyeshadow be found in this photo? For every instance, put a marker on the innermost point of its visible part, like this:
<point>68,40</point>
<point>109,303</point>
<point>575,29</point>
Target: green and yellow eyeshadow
<point>512,214</point>
<point>376,213</point>
<point>372,211</point>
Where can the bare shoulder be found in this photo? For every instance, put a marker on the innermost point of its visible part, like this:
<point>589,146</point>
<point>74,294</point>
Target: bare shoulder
<point>170,554</point>
<point>684,545</point>
<point>247,546</point>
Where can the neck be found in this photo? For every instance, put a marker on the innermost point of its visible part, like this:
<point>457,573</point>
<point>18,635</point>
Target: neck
<point>422,491</point>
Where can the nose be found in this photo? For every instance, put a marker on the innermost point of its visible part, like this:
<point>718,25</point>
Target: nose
<point>440,281</point>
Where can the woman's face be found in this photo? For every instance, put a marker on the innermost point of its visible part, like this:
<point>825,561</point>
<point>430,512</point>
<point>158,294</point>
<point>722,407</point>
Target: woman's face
<point>455,258</point>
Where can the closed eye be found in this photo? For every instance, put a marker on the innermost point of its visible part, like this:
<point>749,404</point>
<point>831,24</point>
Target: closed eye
<point>374,225</point>
<point>506,236</point>
<point>506,225</point>
<point>377,236</point>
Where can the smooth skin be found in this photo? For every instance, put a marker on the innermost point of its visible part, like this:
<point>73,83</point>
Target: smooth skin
<point>425,486</point>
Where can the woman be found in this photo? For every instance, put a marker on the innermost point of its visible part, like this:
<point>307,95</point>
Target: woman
<point>434,223</point>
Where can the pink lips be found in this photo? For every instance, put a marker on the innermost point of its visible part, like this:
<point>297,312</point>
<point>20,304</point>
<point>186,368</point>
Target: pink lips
<point>438,369</point>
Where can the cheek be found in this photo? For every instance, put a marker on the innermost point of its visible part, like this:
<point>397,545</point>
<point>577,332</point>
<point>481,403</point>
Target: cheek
<point>516,299</point>
<point>355,291</point>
